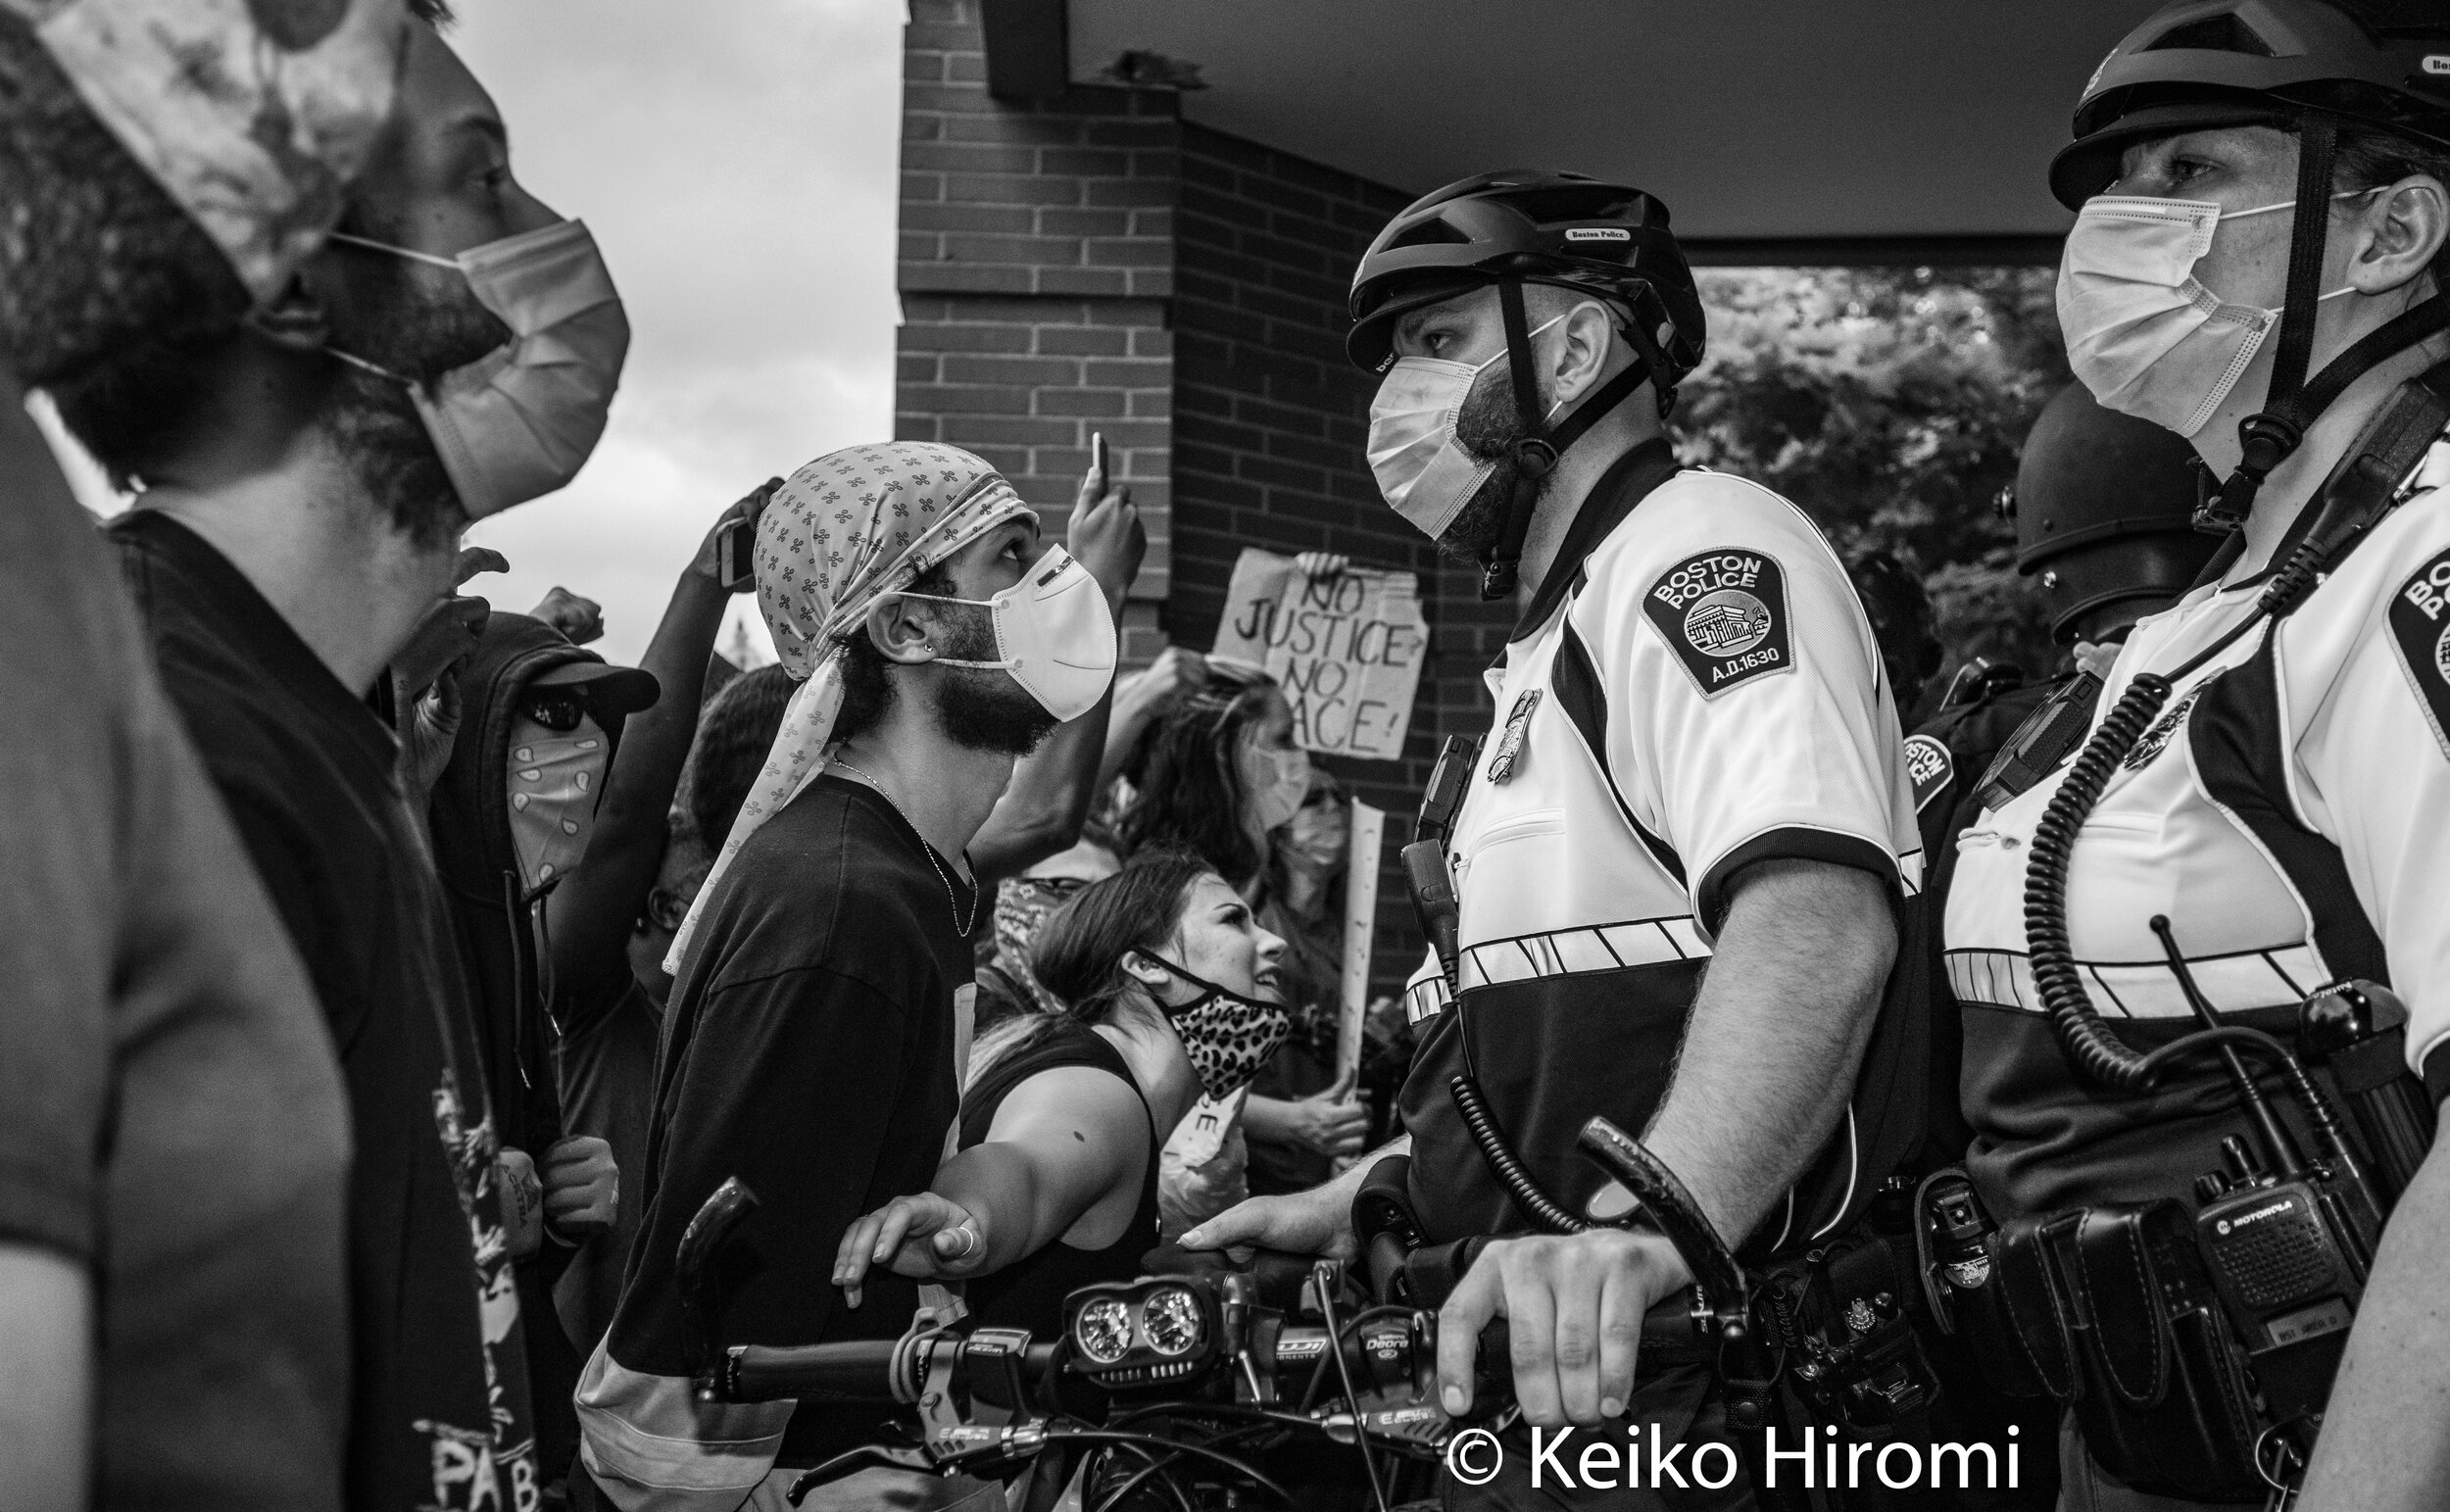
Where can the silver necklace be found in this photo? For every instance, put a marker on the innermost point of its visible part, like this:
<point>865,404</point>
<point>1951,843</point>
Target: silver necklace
<point>951,898</point>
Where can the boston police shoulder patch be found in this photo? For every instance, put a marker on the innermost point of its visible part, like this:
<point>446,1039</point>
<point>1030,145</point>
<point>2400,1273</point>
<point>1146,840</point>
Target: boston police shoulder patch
<point>1929,767</point>
<point>1724,613</point>
<point>2420,621</point>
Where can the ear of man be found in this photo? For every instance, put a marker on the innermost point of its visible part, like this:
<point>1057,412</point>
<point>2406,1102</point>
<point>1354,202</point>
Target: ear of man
<point>905,631</point>
<point>2402,235</point>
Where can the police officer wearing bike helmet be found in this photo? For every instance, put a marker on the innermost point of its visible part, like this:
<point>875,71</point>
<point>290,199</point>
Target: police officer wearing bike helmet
<point>2259,806</point>
<point>1693,761</point>
<point>2104,510</point>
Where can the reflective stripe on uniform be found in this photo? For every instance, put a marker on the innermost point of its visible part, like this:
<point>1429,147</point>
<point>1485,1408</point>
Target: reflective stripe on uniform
<point>1571,952</point>
<point>2234,983</point>
<point>1560,953</point>
<point>1426,999</point>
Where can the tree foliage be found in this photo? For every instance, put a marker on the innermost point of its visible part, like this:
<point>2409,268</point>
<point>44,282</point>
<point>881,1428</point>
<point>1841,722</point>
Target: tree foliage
<point>1890,404</point>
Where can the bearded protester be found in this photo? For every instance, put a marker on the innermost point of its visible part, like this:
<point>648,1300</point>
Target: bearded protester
<point>305,480</point>
<point>818,1018</point>
<point>173,1138</point>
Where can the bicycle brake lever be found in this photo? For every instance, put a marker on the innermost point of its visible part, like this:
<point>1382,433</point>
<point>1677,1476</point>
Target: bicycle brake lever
<point>861,1458</point>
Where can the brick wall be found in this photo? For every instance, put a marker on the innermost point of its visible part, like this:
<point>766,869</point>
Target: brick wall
<point>1089,262</point>
<point>1035,263</point>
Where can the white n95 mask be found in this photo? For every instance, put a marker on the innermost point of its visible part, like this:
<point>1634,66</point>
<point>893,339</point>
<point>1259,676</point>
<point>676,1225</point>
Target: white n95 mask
<point>519,422</point>
<point>1421,466</point>
<point>1054,634</point>
<point>2142,332</point>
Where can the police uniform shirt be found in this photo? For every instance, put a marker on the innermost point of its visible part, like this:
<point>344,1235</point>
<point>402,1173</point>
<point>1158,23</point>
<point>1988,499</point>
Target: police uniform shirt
<point>1698,692</point>
<point>2286,811</point>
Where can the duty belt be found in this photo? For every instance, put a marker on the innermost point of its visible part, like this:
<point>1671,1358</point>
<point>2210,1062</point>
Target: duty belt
<point>1560,953</point>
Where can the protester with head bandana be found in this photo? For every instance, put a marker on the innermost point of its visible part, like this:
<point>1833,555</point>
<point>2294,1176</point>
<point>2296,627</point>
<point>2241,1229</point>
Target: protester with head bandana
<point>1008,983</point>
<point>173,1138</point>
<point>304,475</point>
<point>1173,995</point>
<point>815,1034</point>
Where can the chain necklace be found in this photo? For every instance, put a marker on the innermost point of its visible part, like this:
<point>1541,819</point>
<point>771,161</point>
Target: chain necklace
<point>952,898</point>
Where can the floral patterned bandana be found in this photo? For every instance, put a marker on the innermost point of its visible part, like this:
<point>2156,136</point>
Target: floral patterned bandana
<point>252,117</point>
<point>847,529</point>
<point>1022,905</point>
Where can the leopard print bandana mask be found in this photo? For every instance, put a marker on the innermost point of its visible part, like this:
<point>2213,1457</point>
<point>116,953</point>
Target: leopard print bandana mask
<point>1227,1036</point>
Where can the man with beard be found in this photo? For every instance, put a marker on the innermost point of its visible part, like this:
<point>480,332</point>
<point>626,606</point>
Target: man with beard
<point>1695,765</point>
<point>174,1140</point>
<point>305,478</point>
<point>819,1021</point>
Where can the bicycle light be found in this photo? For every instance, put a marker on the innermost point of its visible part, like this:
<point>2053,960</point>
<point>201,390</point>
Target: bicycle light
<point>1140,1332</point>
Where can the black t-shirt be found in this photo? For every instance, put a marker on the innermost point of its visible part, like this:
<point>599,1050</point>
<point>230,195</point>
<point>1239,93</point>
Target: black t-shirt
<point>438,1373</point>
<point>170,1119</point>
<point>808,1049</point>
<point>605,1059</point>
<point>1030,1292</point>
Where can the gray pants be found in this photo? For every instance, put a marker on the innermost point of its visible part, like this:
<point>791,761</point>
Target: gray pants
<point>2084,1488</point>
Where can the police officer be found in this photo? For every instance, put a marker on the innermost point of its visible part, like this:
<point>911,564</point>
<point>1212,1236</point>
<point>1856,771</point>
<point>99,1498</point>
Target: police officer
<point>2257,265</point>
<point>2104,510</point>
<point>1694,764</point>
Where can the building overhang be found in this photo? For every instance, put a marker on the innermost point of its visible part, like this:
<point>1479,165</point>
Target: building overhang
<point>1795,132</point>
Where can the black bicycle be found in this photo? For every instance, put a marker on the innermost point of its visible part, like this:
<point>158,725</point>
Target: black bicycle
<point>1198,1387</point>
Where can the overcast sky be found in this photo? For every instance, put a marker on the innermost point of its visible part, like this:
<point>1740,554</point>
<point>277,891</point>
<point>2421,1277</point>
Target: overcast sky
<point>736,162</point>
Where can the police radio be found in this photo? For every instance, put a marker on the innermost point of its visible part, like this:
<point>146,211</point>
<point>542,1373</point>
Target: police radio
<point>2289,1240</point>
<point>1426,877</point>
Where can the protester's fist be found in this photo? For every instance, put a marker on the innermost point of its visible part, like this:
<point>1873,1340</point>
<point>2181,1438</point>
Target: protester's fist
<point>923,1236</point>
<point>1317,564</point>
<point>1164,682</point>
<point>708,563</point>
<point>523,1202</point>
<point>1332,1122</point>
<point>1105,535</point>
<point>1574,1305</point>
<point>582,1188</point>
<point>579,621</point>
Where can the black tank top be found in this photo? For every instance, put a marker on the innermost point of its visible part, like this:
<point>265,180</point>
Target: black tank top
<point>1029,1293</point>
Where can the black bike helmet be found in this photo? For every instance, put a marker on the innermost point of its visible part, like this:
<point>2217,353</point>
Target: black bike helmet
<point>2103,505</point>
<point>2306,65</point>
<point>1523,226</point>
<point>1542,227</point>
<point>2218,63</point>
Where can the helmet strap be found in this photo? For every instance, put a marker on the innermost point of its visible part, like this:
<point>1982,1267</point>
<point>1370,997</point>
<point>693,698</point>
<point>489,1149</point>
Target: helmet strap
<point>2270,435</point>
<point>1535,453</point>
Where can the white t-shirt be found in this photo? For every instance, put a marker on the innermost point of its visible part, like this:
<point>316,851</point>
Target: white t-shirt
<point>2289,812</point>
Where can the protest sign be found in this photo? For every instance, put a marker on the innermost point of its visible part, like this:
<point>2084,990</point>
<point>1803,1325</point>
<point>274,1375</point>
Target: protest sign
<point>1347,649</point>
<point>1361,871</point>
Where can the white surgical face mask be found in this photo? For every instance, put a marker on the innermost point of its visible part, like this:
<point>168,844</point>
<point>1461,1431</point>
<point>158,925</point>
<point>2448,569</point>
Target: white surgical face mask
<point>1054,634</point>
<point>2142,332</point>
<point>519,422</point>
<point>1422,469</point>
<point>1274,782</point>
